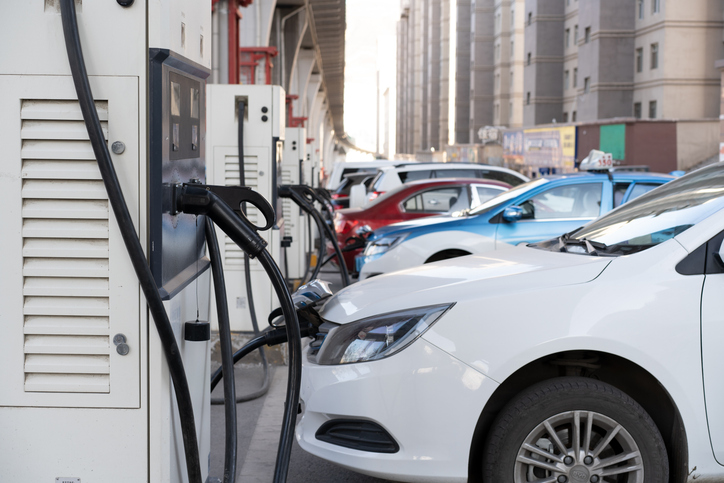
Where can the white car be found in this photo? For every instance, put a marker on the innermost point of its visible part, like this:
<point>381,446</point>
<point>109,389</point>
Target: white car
<point>391,177</point>
<point>591,358</point>
<point>344,168</point>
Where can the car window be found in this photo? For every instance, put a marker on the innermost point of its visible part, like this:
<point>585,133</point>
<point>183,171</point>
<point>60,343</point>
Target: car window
<point>484,193</point>
<point>507,196</point>
<point>619,191</point>
<point>511,179</point>
<point>377,180</point>
<point>571,201</point>
<point>641,188</point>
<point>455,173</point>
<point>440,200</point>
<point>659,215</point>
<point>407,176</point>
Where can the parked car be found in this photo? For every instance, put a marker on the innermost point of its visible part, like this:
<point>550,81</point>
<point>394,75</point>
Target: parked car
<point>593,357</point>
<point>340,196</point>
<point>392,177</point>
<point>342,169</point>
<point>530,212</point>
<point>417,199</point>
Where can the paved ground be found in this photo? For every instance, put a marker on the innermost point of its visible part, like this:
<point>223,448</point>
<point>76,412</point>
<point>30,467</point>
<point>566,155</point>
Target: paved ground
<point>259,422</point>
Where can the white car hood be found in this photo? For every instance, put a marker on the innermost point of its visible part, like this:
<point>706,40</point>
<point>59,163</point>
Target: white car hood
<point>472,277</point>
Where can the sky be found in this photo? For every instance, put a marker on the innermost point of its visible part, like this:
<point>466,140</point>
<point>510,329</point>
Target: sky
<point>371,45</point>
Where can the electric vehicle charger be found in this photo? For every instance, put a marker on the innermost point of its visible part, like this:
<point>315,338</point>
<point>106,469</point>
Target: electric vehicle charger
<point>130,239</point>
<point>247,276</point>
<point>200,201</point>
<point>301,195</point>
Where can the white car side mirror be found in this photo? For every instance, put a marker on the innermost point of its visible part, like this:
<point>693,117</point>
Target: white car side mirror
<point>357,196</point>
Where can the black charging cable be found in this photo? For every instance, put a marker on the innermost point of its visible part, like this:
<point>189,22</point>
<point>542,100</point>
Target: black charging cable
<point>130,239</point>
<point>227,363</point>
<point>200,200</point>
<point>299,194</point>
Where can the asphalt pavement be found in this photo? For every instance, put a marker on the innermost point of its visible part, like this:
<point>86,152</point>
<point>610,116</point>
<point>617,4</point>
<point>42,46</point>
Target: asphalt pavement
<point>258,426</point>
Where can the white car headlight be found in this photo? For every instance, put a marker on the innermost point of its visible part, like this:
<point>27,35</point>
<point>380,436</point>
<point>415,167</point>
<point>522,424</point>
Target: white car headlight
<point>383,245</point>
<point>379,336</point>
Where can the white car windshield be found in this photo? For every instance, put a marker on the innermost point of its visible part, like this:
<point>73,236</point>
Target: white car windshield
<point>654,217</point>
<point>504,197</point>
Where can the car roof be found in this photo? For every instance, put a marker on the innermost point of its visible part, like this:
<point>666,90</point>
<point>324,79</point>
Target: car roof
<point>438,181</point>
<point>423,166</point>
<point>616,175</point>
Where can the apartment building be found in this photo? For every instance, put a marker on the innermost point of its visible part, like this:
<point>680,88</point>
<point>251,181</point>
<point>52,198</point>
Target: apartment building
<point>528,63</point>
<point>590,60</point>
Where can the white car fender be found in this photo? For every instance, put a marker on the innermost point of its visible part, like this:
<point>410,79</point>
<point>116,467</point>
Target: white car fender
<point>602,315</point>
<point>415,251</point>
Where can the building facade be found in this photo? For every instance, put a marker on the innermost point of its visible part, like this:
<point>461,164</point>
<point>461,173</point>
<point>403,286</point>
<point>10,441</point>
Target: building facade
<point>527,63</point>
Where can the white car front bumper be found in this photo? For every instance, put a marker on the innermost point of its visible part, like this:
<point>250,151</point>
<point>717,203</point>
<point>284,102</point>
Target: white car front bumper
<point>428,401</point>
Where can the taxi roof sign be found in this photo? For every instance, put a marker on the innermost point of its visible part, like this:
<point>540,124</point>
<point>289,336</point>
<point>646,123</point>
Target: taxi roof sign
<point>596,160</point>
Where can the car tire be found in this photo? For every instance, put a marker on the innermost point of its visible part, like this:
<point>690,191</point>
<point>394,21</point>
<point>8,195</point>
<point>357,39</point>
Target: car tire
<point>524,443</point>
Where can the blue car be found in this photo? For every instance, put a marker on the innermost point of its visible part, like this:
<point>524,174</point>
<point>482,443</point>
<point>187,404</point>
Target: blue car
<point>538,210</point>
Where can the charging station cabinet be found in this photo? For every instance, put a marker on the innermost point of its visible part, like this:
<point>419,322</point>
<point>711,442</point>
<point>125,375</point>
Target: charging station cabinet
<point>86,395</point>
<point>264,137</point>
<point>294,218</point>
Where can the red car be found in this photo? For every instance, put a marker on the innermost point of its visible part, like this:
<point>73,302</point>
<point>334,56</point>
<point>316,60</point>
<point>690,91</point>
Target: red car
<point>417,199</point>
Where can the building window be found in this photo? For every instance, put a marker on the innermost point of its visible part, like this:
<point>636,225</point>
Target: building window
<point>641,9</point>
<point>510,112</point>
<point>655,56</point>
<point>575,77</point>
<point>587,35</point>
<point>497,51</point>
<point>652,109</point>
<point>568,38</point>
<point>586,85</point>
<point>528,58</point>
<point>565,117</point>
<point>655,6</point>
<point>575,34</point>
<point>568,2</point>
<point>497,113</point>
<point>497,82</point>
<point>573,116</point>
<point>566,79</point>
<point>637,110</point>
<point>511,79</point>
<point>530,18</point>
<point>639,60</point>
<point>512,18</point>
<point>527,99</point>
<point>512,49</point>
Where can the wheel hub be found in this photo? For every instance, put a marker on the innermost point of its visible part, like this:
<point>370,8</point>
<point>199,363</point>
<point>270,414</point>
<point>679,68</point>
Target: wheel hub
<point>579,474</point>
<point>578,447</point>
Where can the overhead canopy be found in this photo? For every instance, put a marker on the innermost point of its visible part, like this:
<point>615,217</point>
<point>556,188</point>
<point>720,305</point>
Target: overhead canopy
<point>328,25</point>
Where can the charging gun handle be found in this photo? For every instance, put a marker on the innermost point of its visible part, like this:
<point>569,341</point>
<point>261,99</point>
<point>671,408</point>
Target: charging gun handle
<point>201,200</point>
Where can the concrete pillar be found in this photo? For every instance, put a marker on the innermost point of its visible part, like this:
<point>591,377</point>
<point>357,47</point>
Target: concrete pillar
<point>306,61</point>
<point>255,27</point>
<point>220,44</point>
